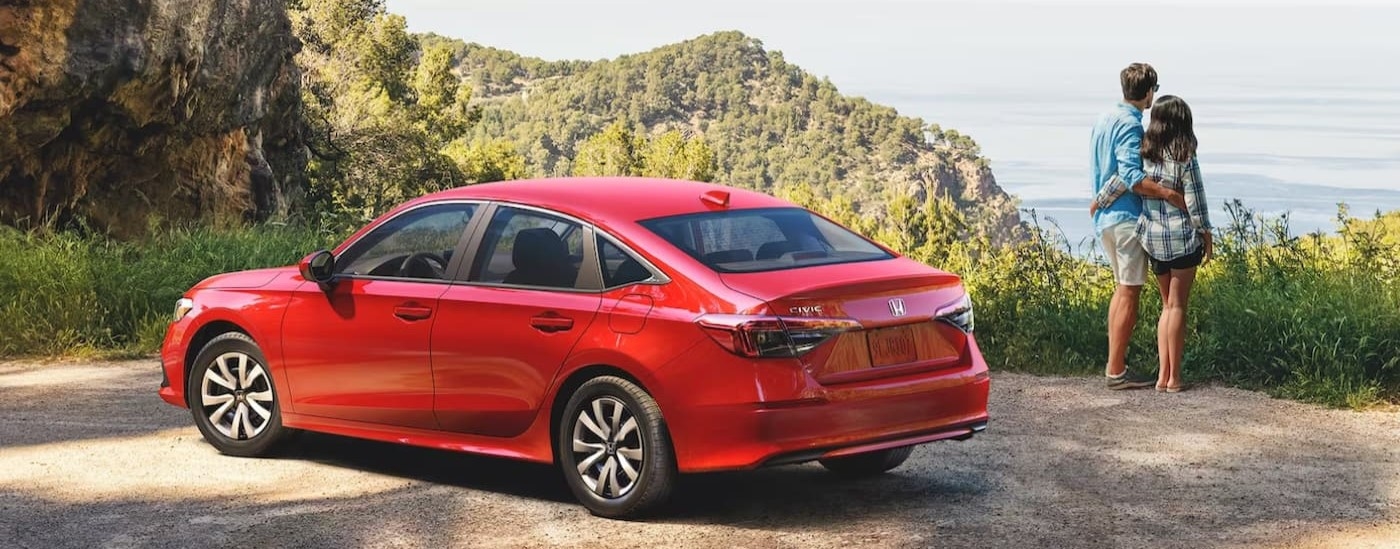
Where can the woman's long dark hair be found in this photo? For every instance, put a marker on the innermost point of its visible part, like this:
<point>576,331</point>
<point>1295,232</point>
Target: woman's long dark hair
<point>1170,133</point>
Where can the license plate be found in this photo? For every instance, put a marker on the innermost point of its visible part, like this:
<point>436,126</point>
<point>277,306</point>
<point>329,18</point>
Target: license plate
<point>891,346</point>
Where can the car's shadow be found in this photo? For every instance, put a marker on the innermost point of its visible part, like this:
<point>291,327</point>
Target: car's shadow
<point>807,495</point>
<point>786,496</point>
<point>517,478</point>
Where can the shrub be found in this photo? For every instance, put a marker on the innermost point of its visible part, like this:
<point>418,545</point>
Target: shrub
<point>64,292</point>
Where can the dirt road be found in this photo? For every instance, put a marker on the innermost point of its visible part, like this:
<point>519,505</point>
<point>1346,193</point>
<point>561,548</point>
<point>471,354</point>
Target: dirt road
<point>90,457</point>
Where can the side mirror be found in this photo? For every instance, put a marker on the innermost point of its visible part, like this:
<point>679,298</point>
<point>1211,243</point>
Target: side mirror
<point>318,267</point>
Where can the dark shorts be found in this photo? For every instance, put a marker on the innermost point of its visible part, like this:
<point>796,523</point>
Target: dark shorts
<point>1187,261</point>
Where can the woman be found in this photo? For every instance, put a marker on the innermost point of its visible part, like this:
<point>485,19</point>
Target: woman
<point>1176,241</point>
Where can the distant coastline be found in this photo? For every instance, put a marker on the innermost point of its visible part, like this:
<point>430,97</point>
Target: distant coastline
<point>1310,208</point>
<point>1280,150</point>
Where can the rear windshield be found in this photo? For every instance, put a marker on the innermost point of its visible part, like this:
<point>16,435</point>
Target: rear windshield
<point>757,240</point>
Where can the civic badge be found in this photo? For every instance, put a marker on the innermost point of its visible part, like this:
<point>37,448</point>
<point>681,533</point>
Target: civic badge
<point>897,307</point>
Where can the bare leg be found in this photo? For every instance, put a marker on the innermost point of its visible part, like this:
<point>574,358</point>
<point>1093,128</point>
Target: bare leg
<point>1181,282</point>
<point>1164,285</point>
<point>1122,318</point>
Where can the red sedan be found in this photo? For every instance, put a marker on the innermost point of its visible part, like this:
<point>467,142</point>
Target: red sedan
<point>627,329</point>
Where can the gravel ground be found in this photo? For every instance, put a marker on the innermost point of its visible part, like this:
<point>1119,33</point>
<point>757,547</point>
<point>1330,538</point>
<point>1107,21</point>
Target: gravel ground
<point>90,457</point>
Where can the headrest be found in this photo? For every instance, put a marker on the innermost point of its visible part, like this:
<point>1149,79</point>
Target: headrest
<point>539,249</point>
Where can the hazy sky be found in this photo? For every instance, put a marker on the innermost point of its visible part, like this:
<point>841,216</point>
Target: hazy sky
<point>1291,99</point>
<point>872,46</point>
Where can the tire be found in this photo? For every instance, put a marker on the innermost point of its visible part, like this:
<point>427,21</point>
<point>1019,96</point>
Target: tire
<point>597,468</point>
<point>868,464</point>
<point>246,408</point>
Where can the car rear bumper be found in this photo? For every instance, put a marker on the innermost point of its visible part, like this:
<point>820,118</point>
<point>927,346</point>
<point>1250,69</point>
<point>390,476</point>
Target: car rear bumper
<point>957,432</point>
<point>832,421</point>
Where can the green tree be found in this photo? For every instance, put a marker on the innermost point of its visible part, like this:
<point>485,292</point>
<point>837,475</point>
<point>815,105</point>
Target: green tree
<point>442,101</point>
<point>614,151</point>
<point>617,150</point>
<point>433,79</point>
<point>485,161</point>
<point>672,155</point>
<point>379,115</point>
<point>387,55</point>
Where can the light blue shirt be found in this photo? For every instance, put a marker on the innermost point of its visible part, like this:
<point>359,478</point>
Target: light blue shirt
<point>1117,143</point>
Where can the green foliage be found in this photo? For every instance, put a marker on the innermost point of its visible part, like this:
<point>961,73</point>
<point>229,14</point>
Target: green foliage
<point>67,293</point>
<point>441,97</point>
<point>618,151</point>
<point>383,116</point>
<point>1314,318</point>
<point>485,161</point>
<point>391,116</point>
<point>768,124</point>
<point>671,155</point>
<point>386,55</point>
<point>392,119</point>
<point>614,151</point>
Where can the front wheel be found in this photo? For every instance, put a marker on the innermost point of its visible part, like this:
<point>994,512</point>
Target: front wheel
<point>868,464</point>
<point>233,399</point>
<point>614,449</point>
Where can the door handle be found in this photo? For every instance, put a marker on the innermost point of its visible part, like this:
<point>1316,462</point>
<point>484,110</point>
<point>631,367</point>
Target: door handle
<point>552,322</point>
<point>412,312</point>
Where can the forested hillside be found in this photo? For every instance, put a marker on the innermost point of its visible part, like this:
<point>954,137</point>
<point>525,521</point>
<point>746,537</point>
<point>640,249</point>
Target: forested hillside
<point>772,126</point>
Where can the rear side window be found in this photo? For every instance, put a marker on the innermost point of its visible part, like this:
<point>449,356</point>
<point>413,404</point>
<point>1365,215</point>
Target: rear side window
<point>619,267</point>
<point>528,248</point>
<point>747,241</point>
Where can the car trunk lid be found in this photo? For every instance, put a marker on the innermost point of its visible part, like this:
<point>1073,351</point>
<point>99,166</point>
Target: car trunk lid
<point>898,304</point>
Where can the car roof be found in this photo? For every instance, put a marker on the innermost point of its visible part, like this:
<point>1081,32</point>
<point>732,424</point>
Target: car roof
<point>610,200</point>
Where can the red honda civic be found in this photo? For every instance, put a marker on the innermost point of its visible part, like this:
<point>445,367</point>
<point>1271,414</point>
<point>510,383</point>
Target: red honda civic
<point>627,329</point>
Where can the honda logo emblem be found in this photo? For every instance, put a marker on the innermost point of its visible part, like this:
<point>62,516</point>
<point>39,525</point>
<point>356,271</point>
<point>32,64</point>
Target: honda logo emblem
<point>897,307</point>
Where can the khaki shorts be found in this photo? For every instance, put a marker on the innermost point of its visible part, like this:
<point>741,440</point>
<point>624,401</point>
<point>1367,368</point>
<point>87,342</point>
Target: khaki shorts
<point>1125,254</point>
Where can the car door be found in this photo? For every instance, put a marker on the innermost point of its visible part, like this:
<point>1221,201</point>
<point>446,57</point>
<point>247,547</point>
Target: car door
<point>358,349</point>
<point>529,295</point>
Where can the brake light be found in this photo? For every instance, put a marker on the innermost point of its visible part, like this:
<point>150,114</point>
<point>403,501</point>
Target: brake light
<point>772,336</point>
<point>958,314</point>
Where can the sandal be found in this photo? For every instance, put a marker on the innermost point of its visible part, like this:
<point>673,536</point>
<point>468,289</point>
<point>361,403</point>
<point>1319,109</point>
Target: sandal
<point>1176,389</point>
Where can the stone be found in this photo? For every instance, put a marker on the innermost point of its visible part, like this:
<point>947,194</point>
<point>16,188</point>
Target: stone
<point>117,114</point>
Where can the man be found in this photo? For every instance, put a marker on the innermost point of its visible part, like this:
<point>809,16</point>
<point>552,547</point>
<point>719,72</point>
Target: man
<point>1116,143</point>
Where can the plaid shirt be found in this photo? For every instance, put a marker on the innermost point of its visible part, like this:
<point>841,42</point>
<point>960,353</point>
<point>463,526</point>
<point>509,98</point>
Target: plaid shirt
<point>1167,232</point>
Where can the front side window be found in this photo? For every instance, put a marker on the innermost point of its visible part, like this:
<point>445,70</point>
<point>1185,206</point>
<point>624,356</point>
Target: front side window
<point>417,244</point>
<point>757,240</point>
<point>528,248</point>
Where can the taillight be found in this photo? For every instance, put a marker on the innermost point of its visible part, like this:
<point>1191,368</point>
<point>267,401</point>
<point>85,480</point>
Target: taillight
<point>958,314</point>
<point>772,336</point>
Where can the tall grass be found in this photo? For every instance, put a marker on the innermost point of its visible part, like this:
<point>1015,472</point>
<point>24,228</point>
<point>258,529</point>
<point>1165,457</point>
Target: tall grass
<point>62,293</point>
<point>1315,318</point>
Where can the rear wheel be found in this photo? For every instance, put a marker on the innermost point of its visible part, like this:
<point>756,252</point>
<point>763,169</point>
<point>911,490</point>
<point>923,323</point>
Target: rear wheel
<point>614,450</point>
<point>868,464</point>
<point>233,399</point>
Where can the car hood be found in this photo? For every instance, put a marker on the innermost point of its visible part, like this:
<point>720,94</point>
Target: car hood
<point>243,280</point>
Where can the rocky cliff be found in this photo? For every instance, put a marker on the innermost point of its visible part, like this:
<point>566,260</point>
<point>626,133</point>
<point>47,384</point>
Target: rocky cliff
<point>114,110</point>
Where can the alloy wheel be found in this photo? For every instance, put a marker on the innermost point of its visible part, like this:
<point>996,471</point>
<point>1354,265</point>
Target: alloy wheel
<point>607,447</point>
<point>236,396</point>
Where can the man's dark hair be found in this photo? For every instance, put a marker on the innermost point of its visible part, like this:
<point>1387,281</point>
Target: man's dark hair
<point>1138,79</point>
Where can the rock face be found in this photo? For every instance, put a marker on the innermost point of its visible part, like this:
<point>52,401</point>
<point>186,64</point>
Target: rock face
<point>112,111</point>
